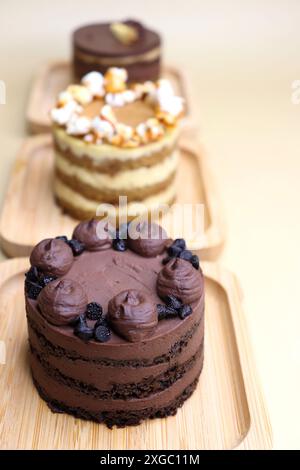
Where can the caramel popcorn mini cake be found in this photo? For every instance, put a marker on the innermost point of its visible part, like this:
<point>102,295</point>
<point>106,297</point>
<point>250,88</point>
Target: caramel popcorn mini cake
<point>116,327</point>
<point>115,140</point>
<point>127,44</point>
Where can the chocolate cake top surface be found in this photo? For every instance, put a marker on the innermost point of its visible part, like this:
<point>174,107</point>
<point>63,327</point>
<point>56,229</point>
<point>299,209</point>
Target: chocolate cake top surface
<point>129,280</point>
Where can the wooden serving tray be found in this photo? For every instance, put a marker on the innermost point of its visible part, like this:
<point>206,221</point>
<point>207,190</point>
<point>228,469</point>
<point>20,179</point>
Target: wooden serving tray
<point>30,214</point>
<point>56,76</point>
<point>226,411</point>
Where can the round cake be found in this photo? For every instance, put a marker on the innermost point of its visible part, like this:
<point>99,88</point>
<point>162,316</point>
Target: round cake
<point>116,326</point>
<point>127,44</point>
<point>115,140</point>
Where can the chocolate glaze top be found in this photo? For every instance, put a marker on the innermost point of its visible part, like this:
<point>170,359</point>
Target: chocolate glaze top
<point>52,256</point>
<point>178,277</point>
<point>98,39</point>
<point>62,301</point>
<point>132,314</point>
<point>87,233</point>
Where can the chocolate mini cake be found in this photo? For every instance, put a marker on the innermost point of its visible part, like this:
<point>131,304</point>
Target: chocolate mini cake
<point>115,140</point>
<point>127,44</point>
<point>116,326</point>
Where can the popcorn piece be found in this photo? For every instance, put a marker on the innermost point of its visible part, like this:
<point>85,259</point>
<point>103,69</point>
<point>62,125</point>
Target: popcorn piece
<point>154,128</point>
<point>116,140</point>
<point>80,93</point>
<point>129,96</point>
<point>167,102</point>
<point>150,130</point>
<point>63,98</point>
<point>171,104</point>
<point>166,118</point>
<point>120,99</point>
<point>94,81</point>
<point>141,130</point>
<point>151,122</point>
<point>126,132</point>
<point>78,125</point>
<point>138,90</point>
<point>168,105</point>
<point>63,114</point>
<point>115,99</point>
<point>102,128</point>
<point>119,72</point>
<point>115,80</point>
<point>164,87</point>
<point>107,114</point>
<point>147,88</point>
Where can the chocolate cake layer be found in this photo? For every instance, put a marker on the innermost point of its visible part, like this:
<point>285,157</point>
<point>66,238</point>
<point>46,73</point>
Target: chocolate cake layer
<point>122,391</point>
<point>139,71</point>
<point>120,418</point>
<point>72,397</point>
<point>103,376</point>
<point>59,352</point>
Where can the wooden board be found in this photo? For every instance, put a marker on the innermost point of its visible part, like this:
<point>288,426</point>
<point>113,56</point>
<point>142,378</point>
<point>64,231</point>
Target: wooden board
<point>55,76</point>
<point>227,410</point>
<point>30,214</point>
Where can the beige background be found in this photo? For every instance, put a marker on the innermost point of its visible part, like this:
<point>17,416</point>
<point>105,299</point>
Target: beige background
<point>241,58</point>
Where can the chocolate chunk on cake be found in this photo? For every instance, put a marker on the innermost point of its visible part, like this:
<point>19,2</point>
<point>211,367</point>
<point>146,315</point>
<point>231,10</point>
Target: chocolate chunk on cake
<point>115,336</point>
<point>115,140</point>
<point>128,44</point>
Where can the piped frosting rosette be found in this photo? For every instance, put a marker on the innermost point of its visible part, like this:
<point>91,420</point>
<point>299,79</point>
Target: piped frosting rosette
<point>179,278</point>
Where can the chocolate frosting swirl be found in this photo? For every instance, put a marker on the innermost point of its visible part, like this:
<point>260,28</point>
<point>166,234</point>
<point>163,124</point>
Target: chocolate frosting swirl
<point>86,233</point>
<point>62,301</point>
<point>132,315</point>
<point>178,277</point>
<point>52,256</point>
<point>150,240</point>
